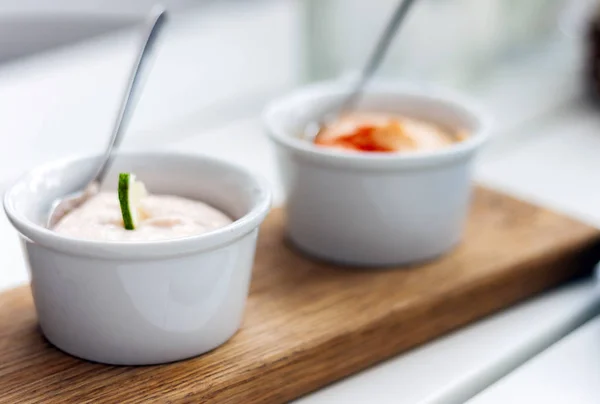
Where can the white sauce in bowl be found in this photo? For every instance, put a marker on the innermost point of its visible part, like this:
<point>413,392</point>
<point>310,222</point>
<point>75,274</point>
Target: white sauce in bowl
<point>162,217</point>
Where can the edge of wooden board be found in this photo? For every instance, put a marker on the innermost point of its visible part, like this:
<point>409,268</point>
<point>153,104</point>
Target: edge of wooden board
<point>325,357</point>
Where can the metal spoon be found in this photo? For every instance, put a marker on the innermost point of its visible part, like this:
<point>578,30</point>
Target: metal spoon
<point>130,97</point>
<point>314,128</point>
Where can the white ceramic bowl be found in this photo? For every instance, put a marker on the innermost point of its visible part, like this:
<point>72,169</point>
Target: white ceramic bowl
<point>375,209</point>
<point>147,302</point>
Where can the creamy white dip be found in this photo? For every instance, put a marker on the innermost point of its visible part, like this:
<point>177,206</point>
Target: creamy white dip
<point>161,217</point>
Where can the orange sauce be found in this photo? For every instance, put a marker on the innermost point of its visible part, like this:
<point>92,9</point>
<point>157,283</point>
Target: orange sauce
<point>381,133</point>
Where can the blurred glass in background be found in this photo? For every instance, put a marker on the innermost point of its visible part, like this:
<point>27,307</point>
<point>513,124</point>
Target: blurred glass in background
<point>456,41</point>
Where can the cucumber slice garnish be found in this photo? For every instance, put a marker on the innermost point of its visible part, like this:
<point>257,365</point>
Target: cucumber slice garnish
<point>131,193</point>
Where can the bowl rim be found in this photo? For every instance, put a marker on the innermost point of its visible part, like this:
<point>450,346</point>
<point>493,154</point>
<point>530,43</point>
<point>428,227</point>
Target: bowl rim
<point>375,160</point>
<point>136,250</point>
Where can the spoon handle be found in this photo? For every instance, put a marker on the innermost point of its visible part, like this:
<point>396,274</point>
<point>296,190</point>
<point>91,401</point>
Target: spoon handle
<point>378,53</point>
<point>132,92</point>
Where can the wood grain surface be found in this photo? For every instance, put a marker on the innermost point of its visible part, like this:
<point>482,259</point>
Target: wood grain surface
<point>309,323</point>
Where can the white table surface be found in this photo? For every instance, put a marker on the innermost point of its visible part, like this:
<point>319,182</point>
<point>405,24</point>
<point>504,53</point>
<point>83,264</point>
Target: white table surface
<point>567,372</point>
<point>552,162</point>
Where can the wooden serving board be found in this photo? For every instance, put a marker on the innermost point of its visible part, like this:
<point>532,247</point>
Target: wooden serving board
<point>308,323</point>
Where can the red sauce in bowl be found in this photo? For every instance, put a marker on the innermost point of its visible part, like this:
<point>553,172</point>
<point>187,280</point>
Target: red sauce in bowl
<point>384,133</point>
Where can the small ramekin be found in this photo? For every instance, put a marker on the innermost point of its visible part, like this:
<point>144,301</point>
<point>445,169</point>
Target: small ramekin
<point>139,303</point>
<point>375,209</point>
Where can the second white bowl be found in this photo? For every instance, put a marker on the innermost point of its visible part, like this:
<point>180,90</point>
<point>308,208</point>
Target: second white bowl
<point>375,209</point>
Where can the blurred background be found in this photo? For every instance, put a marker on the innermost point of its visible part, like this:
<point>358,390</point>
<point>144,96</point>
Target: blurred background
<point>63,63</point>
